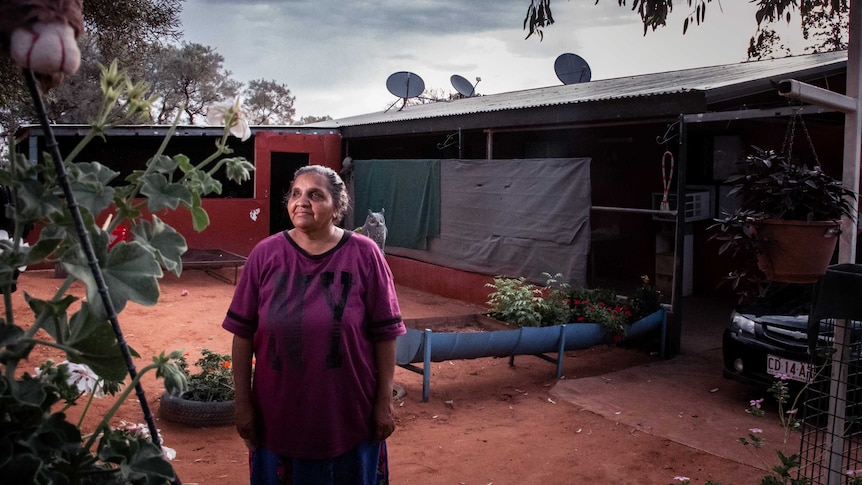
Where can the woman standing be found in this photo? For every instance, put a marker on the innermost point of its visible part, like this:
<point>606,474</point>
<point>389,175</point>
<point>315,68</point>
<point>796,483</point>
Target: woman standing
<point>315,317</point>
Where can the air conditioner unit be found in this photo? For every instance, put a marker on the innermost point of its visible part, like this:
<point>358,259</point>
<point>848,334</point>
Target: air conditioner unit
<point>697,207</point>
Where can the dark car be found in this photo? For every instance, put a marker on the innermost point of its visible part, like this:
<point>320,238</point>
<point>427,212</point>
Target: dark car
<point>769,336</point>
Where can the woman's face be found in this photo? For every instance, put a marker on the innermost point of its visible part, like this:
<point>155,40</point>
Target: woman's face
<point>310,204</point>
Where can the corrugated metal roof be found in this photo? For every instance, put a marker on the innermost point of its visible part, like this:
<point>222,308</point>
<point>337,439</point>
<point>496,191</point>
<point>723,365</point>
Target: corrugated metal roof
<point>712,81</point>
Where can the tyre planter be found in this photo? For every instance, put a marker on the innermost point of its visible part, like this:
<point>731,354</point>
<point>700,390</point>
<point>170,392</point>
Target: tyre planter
<point>199,414</point>
<point>796,251</point>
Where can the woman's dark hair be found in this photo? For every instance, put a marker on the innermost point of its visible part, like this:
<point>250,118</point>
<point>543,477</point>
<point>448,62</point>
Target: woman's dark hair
<point>337,188</point>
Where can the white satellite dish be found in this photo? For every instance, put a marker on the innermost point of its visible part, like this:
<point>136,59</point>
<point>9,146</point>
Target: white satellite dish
<point>463,86</point>
<point>404,85</point>
<point>572,69</point>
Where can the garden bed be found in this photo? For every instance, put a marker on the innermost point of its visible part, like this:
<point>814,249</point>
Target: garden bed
<point>475,336</point>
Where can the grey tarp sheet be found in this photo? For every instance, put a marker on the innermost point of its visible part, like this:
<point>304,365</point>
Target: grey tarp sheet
<point>511,217</point>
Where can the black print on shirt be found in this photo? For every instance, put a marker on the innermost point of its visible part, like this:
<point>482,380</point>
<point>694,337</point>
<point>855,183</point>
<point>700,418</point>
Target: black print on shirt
<point>290,312</point>
<point>333,359</point>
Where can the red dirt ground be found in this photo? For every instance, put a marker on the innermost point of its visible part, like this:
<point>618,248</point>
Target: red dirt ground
<point>486,422</point>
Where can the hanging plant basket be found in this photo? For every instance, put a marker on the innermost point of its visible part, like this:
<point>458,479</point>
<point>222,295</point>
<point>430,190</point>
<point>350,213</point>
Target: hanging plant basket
<point>199,414</point>
<point>796,251</point>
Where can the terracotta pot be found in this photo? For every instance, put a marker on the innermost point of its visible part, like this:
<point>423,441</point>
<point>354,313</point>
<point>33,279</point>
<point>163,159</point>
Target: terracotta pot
<point>796,251</point>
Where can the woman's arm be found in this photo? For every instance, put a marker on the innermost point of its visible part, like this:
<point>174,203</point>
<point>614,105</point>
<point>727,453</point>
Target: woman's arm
<point>241,363</point>
<point>383,419</point>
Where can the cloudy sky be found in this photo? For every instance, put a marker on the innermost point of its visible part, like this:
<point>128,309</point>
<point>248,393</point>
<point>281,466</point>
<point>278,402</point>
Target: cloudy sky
<point>335,55</point>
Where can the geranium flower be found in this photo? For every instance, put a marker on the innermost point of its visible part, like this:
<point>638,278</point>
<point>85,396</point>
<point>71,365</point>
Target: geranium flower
<point>5,235</point>
<point>230,113</point>
<point>140,430</point>
<point>82,378</point>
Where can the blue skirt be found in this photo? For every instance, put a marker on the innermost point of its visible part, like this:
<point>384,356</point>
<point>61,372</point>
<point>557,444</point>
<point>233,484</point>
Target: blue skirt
<point>367,464</point>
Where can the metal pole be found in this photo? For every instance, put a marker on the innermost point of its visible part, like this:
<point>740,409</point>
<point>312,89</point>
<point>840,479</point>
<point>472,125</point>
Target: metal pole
<point>674,336</point>
<point>847,243</point>
<point>852,138</point>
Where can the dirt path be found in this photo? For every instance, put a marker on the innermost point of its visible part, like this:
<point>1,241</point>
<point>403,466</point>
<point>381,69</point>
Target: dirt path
<point>486,422</point>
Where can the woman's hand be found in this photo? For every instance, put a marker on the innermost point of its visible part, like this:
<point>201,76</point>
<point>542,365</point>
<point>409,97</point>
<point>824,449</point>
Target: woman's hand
<point>383,420</point>
<point>244,414</point>
<point>245,423</point>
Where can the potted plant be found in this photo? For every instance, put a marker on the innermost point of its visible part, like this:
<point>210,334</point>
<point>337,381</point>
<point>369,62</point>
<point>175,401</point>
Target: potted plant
<point>209,399</point>
<point>787,223</point>
<point>61,198</point>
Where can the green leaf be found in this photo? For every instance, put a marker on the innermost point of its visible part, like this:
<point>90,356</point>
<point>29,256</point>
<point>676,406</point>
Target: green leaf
<point>94,338</point>
<point>201,183</point>
<point>139,459</point>
<point>89,182</point>
<point>30,392</point>
<point>49,239</point>
<point>162,164</point>
<point>163,194</point>
<point>238,169</point>
<point>9,334</point>
<point>36,201</point>
<point>129,271</point>
<point>166,243</point>
<point>51,316</point>
<point>184,163</point>
<point>200,218</point>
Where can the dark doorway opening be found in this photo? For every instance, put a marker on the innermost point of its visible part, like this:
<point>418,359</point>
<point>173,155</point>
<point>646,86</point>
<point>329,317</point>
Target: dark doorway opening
<point>282,167</point>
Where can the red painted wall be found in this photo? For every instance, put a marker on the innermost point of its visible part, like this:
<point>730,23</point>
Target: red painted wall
<point>440,280</point>
<point>234,225</point>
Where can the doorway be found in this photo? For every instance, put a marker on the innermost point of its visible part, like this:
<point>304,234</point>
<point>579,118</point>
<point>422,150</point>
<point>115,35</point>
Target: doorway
<point>282,167</point>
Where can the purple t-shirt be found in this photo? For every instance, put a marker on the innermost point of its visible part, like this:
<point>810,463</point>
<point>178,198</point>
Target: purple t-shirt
<point>314,320</point>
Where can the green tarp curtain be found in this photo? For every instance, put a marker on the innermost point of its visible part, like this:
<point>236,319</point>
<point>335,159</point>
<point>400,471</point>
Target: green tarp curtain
<point>408,190</point>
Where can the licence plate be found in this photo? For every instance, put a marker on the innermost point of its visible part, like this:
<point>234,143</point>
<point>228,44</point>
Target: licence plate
<point>795,370</point>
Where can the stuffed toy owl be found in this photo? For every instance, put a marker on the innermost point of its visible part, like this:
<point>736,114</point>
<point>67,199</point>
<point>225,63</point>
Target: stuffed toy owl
<point>41,35</point>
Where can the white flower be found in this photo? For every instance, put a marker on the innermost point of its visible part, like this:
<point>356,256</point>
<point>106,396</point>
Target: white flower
<point>140,430</point>
<point>137,430</point>
<point>217,114</point>
<point>82,377</point>
<point>169,453</point>
<point>5,235</point>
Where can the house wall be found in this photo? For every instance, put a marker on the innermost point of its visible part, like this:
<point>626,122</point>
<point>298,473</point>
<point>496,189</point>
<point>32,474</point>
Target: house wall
<point>625,172</point>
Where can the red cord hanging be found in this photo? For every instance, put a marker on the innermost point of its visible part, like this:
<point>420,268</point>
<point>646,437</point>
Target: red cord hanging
<point>666,178</point>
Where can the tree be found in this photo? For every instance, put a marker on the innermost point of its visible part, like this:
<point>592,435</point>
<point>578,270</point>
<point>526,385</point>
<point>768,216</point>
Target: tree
<point>268,103</point>
<point>189,78</point>
<point>307,120</point>
<point>823,21</point>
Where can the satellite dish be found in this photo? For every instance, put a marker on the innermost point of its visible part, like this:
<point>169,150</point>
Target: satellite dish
<point>572,69</point>
<point>463,86</point>
<point>405,84</point>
